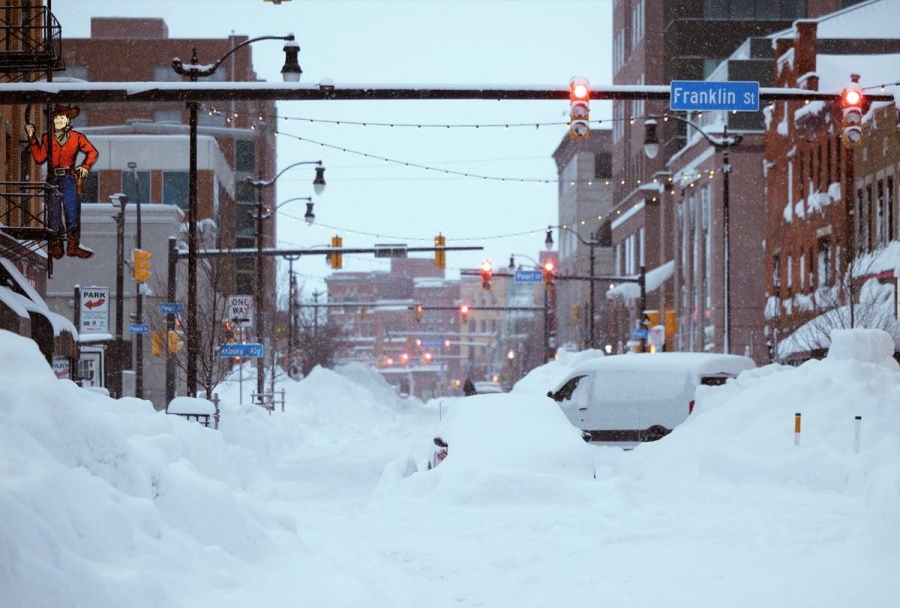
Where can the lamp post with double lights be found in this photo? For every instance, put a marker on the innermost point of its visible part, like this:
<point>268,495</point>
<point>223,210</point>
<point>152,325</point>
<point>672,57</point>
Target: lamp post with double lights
<point>722,144</point>
<point>194,70</point>
<point>593,243</point>
<point>263,213</point>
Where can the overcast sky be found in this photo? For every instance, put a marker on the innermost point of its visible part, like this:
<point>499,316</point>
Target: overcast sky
<point>368,200</point>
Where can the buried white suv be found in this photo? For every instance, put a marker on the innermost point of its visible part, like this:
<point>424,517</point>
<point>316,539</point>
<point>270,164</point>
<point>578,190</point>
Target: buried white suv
<point>640,397</point>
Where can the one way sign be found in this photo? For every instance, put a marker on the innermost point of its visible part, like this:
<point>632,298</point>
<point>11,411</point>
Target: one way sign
<point>240,310</point>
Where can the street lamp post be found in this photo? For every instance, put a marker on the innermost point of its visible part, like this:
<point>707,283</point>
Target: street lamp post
<point>291,73</point>
<point>512,268</point>
<point>119,200</point>
<point>722,144</point>
<point>261,214</point>
<point>593,243</point>
<point>139,295</point>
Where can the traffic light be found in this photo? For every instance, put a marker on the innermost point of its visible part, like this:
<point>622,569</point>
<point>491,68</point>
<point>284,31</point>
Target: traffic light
<point>337,259</point>
<point>175,342</point>
<point>440,257</point>
<point>141,261</point>
<point>549,277</point>
<point>363,312</point>
<point>156,347</point>
<point>852,101</point>
<point>418,313</point>
<point>487,271</point>
<point>464,313</point>
<point>575,314</point>
<point>651,318</point>
<point>229,332</point>
<point>579,108</point>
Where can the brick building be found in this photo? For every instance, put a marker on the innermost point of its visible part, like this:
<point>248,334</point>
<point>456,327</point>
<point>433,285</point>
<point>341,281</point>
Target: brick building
<point>831,209</point>
<point>654,43</point>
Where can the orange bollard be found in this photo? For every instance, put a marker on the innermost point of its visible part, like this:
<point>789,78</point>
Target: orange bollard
<point>797,428</point>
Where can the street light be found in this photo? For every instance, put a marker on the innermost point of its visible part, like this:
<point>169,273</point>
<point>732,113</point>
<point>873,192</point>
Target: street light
<point>722,144</point>
<point>139,296</point>
<point>263,213</point>
<point>593,243</point>
<point>119,200</point>
<point>291,73</point>
<point>512,268</point>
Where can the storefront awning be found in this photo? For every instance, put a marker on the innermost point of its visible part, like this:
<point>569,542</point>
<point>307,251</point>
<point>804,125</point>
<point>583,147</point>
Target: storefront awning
<point>654,279</point>
<point>24,299</point>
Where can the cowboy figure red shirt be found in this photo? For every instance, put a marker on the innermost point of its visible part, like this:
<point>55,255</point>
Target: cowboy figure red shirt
<point>67,177</point>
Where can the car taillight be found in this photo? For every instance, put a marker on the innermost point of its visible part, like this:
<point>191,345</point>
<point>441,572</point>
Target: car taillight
<point>691,407</point>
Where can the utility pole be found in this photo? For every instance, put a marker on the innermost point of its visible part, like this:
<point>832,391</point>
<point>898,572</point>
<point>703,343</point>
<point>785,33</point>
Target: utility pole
<point>117,368</point>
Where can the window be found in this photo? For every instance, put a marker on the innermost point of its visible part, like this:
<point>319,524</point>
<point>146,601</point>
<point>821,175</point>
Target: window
<point>570,174</point>
<point>881,215</point>
<point>802,271</point>
<point>637,23</point>
<point>823,262</point>
<point>134,194</point>
<point>889,205</point>
<point>790,271</point>
<point>244,155</point>
<point>175,188</point>
<point>167,116</point>
<point>90,191</point>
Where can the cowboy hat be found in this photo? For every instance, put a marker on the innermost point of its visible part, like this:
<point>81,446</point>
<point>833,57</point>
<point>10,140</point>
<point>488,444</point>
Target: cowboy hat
<point>70,111</point>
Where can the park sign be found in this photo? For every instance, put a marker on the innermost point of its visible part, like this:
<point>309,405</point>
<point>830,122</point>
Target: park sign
<point>706,95</point>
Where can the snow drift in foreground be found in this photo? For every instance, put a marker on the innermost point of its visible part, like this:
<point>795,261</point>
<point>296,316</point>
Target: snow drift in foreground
<point>108,503</point>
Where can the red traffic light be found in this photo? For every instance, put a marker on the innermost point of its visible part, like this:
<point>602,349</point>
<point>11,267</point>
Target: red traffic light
<point>486,273</point>
<point>548,266</point>
<point>464,309</point>
<point>579,89</point>
<point>486,267</point>
<point>852,97</point>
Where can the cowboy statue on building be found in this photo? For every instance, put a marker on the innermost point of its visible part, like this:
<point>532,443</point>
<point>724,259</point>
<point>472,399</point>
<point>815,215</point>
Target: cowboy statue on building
<point>66,177</point>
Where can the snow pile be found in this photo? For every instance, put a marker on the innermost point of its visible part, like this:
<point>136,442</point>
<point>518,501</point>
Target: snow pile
<point>504,447</point>
<point>548,376</point>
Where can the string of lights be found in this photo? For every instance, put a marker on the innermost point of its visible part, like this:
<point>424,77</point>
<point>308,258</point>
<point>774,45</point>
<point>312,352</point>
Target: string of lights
<point>262,117</point>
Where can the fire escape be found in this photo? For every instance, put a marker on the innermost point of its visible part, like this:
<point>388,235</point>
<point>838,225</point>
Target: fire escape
<point>30,49</point>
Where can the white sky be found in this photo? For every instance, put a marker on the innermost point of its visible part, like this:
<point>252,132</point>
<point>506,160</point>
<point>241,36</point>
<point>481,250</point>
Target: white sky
<point>109,503</point>
<point>409,43</point>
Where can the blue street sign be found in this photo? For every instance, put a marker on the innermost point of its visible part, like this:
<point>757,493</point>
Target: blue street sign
<point>432,342</point>
<point>247,351</point>
<point>699,95</point>
<point>640,333</point>
<point>528,276</point>
<point>138,328</point>
<point>166,308</point>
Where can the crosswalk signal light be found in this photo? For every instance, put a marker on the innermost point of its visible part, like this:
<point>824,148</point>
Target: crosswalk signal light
<point>549,277</point>
<point>337,259</point>
<point>440,257</point>
<point>464,313</point>
<point>852,101</point>
<point>140,259</point>
<point>487,271</point>
<point>579,108</point>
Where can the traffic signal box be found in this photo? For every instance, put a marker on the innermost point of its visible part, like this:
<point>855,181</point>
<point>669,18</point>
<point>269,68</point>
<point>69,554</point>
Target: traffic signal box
<point>174,343</point>
<point>337,259</point>
<point>486,273</point>
<point>440,257</point>
<point>464,313</point>
<point>579,108</point>
<point>140,259</point>
<point>417,311</point>
<point>651,318</point>
<point>852,102</point>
